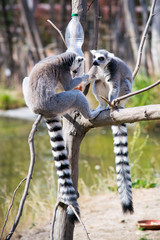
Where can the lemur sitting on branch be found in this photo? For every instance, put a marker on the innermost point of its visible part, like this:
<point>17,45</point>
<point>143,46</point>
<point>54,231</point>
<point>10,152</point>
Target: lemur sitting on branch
<point>112,78</point>
<point>39,91</point>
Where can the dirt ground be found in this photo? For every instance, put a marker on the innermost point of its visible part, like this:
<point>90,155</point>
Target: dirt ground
<point>104,219</point>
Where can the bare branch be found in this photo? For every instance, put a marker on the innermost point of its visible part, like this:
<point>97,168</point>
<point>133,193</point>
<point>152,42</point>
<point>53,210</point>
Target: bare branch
<point>11,206</point>
<point>143,40</point>
<point>53,220</point>
<point>117,116</point>
<point>53,25</point>
<point>117,100</point>
<point>107,101</point>
<point>29,177</point>
<point>90,5</point>
<point>87,234</point>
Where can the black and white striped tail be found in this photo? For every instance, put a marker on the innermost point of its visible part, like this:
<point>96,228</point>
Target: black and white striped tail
<point>122,167</point>
<point>62,165</point>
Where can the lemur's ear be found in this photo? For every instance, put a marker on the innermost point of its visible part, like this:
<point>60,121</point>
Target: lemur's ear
<point>111,55</point>
<point>80,59</point>
<point>93,52</point>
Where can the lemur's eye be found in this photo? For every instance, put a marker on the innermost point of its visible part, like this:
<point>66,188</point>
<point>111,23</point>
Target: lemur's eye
<point>94,56</point>
<point>101,58</point>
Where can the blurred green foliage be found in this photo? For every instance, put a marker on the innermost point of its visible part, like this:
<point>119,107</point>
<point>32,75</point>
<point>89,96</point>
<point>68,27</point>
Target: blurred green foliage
<point>10,99</point>
<point>149,97</point>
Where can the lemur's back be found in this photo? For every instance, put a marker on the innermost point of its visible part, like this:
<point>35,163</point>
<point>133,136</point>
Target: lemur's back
<point>123,69</point>
<point>42,82</point>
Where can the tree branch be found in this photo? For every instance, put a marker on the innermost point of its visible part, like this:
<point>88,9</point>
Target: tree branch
<point>54,219</point>
<point>139,60</point>
<point>11,206</point>
<point>143,40</point>
<point>118,116</point>
<point>79,219</point>
<point>117,100</point>
<point>29,177</point>
<point>53,25</point>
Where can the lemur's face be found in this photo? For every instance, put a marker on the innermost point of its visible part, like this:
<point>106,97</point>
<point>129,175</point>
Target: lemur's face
<point>100,59</point>
<point>76,64</point>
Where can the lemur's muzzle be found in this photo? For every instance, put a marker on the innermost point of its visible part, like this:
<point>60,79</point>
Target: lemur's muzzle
<point>95,63</point>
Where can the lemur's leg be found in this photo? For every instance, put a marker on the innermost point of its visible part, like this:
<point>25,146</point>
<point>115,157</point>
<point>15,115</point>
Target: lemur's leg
<point>100,89</point>
<point>113,90</point>
<point>126,87</point>
<point>68,100</point>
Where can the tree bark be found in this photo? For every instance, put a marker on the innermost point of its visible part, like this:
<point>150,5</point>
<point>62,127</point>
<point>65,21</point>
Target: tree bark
<point>73,135</point>
<point>126,115</point>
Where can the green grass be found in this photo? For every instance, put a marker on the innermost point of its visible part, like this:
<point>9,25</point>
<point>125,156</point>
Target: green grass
<point>149,97</point>
<point>38,207</point>
<point>104,178</point>
<point>10,99</point>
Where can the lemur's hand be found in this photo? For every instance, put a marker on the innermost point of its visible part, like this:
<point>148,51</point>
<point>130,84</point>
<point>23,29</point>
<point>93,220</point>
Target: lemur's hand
<point>85,77</point>
<point>92,73</point>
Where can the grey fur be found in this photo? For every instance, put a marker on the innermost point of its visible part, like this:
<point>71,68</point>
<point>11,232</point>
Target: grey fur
<point>39,88</point>
<point>39,91</point>
<point>115,75</point>
<point>112,78</point>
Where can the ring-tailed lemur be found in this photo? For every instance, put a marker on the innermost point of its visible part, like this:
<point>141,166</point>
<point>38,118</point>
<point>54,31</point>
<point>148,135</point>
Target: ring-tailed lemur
<point>113,78</point>
<point>39,91</point>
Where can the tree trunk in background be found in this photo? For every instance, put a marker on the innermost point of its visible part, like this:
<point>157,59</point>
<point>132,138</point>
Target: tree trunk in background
<point>155,42</point>
<point>8,40</point>
<point>63,23</point>
<point>33,38</point>
<point>73,136</point>
<point>131,26</point>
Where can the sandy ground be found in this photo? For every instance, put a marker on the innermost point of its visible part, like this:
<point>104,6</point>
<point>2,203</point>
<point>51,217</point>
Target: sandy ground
<point>104,220</point>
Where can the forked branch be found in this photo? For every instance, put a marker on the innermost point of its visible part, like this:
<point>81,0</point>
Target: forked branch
<point>29,177</point>
<point>79,219</point>
<point>13,197</point>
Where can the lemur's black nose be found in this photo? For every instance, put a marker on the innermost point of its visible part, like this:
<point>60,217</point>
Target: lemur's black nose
<point>95,63</point>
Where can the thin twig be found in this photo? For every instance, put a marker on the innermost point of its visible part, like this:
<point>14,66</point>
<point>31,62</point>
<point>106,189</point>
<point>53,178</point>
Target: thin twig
<point>139,59</point>
<point>136,92</point>
<point>53,220</point>
<point>30,171</point>
<point>107,101</point>
<point>87,234</point>
<point>117,100</point>
<point>143,40</point>
<point>53,25</point>
<point>13,197</point>
<point>89,6</point>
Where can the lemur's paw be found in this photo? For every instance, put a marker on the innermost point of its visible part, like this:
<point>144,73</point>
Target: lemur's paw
<point>85,76</point>
<point>95,113</point>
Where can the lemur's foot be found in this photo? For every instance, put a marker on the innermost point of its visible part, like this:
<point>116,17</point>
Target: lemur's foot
<point>112,107</point>
<point>95,113</point>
